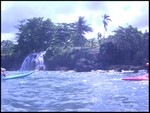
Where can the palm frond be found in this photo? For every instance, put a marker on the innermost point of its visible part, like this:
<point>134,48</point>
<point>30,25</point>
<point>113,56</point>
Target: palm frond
<point>105,20</point>
<point>109,19</point>
<point>106,16</point>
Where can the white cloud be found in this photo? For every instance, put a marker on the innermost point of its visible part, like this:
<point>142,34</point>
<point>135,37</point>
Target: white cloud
<point>8,36</point>
<point>121,13</point>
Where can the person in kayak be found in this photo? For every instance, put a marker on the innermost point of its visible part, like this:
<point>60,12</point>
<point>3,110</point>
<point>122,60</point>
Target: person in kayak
<point>3,73</point>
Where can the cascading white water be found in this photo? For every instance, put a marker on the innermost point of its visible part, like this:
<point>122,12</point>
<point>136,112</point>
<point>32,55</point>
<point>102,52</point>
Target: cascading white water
<point>33,61</point>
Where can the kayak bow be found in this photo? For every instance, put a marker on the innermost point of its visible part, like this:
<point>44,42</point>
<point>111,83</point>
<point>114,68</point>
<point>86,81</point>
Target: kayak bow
<point>17,75</point>
<point>137,78</point>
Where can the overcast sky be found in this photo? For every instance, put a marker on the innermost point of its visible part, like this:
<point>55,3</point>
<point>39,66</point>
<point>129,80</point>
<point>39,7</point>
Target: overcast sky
<point>121,13</point>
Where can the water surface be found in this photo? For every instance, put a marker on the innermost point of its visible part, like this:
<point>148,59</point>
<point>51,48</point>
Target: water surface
<point>74,91</point>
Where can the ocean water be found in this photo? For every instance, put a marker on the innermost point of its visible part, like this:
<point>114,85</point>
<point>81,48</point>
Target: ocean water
<point>75,91</point>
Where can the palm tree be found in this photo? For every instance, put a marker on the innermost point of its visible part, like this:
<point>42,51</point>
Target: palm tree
<point>105,21</point>
<point>82,28</point>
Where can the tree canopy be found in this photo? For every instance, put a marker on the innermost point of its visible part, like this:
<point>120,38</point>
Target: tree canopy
<point>127,46</point>
<point>7,47</point>
<point>36,35</point>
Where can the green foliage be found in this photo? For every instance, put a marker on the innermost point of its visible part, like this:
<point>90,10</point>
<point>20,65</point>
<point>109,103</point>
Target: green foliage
<point>127,46</point>
<point>81,28</point>
<point>7,47</point>
<point>92,43</point>
<point>37,35</point>
<point>34,35</point>
<point>65,34</point>
<point>108,52</point>
<point>62,41</point>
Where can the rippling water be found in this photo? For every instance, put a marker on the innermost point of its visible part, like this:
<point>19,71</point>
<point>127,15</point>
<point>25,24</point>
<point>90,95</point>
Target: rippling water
<point>73,91</point>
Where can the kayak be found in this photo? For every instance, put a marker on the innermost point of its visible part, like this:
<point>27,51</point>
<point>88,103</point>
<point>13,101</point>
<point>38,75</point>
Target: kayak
<point>17,76</point>
<point>137,78</point>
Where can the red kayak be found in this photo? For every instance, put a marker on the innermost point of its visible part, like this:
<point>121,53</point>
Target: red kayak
<point>137,78</point>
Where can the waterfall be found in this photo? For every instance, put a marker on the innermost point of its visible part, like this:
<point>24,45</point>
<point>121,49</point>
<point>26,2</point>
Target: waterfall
<point>33,61</point>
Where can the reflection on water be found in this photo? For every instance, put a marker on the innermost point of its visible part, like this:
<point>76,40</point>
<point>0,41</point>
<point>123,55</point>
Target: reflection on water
<point>72,91</point>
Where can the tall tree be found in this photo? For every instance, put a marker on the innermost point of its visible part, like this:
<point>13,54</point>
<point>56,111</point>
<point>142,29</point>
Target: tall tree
<point>34,35</point>
<point>82,28</point>
<point>106,19</point>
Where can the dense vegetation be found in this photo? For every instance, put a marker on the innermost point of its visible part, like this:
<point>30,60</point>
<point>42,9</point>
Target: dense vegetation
<point>67,46</point>
<point>127,46</point>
